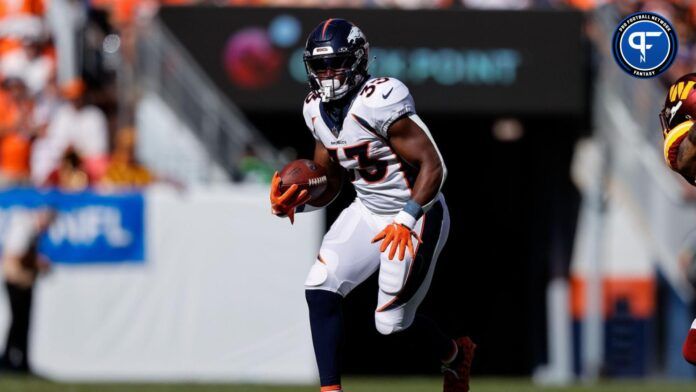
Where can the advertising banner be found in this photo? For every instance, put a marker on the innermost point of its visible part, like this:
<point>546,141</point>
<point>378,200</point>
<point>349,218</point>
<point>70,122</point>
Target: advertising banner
<point>88,228</point>
<point>453,61</point>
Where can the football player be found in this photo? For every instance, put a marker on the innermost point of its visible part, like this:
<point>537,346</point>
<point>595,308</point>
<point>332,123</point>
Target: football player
<point>398,224</point>
<point>677,122</point>
<point>677,119</point>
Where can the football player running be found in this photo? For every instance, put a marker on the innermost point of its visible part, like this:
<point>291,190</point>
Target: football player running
<point>677,119</point>
<point>398,224</point>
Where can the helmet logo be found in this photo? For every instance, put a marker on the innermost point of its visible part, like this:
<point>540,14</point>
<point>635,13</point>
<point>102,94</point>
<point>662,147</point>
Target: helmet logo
<point>673,110</point>
<point>355,34</point>
<point>680,90</point>
<point>322,50</point>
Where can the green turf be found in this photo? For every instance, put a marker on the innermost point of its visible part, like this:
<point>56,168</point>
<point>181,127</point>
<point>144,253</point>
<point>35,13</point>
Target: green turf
<point>405,384</point>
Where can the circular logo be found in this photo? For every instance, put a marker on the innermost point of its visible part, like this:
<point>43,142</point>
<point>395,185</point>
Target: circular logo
<point>644,44</point>
<point>251,60</point>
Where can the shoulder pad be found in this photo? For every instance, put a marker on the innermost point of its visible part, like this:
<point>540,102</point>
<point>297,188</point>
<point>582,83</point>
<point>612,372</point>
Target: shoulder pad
<point>310,105</point>
<point>381,92</point>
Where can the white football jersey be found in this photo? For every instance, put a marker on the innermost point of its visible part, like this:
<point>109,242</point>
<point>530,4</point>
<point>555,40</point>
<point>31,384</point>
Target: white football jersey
<point>382,180</point>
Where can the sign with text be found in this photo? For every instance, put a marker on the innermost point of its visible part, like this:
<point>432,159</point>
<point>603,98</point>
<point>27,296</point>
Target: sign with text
<point>88,227</point>
<point>519,62</point>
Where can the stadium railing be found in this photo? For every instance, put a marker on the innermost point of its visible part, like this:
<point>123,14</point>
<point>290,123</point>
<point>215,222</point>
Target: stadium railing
<point>163,67</point>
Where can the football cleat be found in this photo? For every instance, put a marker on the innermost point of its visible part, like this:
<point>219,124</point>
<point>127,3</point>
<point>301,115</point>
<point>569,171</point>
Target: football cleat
<point>457,372</point>
<point>689,348</point>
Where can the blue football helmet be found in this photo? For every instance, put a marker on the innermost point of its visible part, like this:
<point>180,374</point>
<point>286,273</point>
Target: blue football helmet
<point>336,58</point>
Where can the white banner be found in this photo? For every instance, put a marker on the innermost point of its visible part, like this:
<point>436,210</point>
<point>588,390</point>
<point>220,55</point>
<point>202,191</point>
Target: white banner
<point>220,297</point>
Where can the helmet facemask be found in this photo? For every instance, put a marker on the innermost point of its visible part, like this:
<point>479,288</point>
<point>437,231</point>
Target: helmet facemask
<point>333,76</point>
<point>670,117</point>
<point>664,120</point>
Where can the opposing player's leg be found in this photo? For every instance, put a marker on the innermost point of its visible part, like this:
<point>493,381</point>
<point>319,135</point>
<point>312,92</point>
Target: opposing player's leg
<point>689,348</point>
<point>345,260</point>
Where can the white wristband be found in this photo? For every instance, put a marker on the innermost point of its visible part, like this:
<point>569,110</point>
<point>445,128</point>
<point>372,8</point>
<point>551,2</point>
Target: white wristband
<point>406,219</point>
<point>693,326</point>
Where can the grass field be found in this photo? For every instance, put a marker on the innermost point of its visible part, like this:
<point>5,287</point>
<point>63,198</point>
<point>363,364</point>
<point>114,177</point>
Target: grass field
<point>14,384</point>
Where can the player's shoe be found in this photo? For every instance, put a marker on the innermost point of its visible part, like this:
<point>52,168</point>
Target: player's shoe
<point>457,372</point>
<point>689,348</point>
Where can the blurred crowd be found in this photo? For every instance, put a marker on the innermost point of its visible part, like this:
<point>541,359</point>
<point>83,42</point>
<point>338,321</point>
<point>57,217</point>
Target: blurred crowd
<point>52,134</point>
<point>124,10</point>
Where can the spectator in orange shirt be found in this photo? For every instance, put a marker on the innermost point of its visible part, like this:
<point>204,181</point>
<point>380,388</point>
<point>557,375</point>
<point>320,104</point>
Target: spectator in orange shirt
<point>10,8</point>
<point>19,18</point>
<point>15,137</point>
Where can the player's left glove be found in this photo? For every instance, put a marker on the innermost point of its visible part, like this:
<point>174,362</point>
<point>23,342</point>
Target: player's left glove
<point>400,237</point>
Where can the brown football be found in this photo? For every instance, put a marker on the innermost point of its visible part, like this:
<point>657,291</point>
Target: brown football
<point>306,174</point>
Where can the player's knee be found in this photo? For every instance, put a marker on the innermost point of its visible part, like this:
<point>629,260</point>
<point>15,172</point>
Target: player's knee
<point>388,324</point>
<point>322,302</point>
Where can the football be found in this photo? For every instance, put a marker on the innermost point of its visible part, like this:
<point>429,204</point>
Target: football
<point>306,174</point>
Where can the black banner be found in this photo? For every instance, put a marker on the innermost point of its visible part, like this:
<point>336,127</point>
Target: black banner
<point>458,61</point>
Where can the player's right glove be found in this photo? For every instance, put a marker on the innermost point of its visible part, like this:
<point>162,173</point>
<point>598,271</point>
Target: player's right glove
<point>399,237</point>
<point>284,203</point>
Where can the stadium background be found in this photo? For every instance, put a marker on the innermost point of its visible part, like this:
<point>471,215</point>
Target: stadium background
<point>555,184</point>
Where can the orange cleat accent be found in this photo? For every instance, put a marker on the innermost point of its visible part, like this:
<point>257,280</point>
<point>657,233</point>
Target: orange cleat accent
<point>457,372</point>
<point>331,388</point>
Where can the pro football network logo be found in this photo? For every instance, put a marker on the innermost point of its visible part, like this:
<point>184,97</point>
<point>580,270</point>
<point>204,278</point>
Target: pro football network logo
<point>644,44</point>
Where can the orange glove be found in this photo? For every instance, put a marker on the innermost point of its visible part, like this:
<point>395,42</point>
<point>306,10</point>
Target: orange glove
<point>399,236</point>
<point>284,204</point>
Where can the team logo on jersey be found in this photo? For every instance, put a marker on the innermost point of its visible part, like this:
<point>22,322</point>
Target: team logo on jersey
<point>644,44</point>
